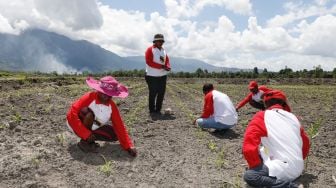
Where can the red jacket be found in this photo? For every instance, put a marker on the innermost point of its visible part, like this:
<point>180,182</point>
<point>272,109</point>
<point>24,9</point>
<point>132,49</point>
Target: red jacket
<point>150,62</point>
<point>248,98</point>
<point>256,129</point>
<point>84,133</point>
<point>208,108</point>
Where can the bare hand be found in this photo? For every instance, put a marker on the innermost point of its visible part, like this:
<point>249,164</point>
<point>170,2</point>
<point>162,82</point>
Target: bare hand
<point>132,151</point>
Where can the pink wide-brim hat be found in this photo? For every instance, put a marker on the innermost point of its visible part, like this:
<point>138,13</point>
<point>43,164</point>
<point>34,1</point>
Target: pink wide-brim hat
<point>109,86</point>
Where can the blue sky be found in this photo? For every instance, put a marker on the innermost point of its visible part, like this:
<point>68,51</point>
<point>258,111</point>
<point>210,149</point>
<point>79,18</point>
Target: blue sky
<point>268,34</point>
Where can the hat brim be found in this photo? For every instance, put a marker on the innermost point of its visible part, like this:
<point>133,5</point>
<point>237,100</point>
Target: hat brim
<point>158,40</point>
<point>121,93</point>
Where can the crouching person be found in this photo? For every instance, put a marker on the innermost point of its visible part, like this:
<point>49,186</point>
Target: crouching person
<point>90,117</point>
<point>218,112</point>
<point>275,145</point>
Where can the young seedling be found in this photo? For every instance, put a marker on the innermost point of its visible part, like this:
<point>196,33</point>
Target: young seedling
<point>17,118</point>
<point>220,160</point>
<point>60,138</point>
<point>106,168</point>
<point>212,146</point>
<point>35,162</point>
<point>313,130</point>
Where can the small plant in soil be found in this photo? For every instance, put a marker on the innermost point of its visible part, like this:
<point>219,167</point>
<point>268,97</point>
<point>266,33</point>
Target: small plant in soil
<point>244,123</point>
<point>17,118</point>
<point>313,130</point>
<point>212,146</point>
<point>60,138</point>
<point>35,162</point>
<point>106,168</point>
<point>220,160</point>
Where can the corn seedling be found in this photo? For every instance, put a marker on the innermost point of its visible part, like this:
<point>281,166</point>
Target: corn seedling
<point>200,134</point>
<point>35,162</point>
<point>106,168</point>
<point>2,126</point>
<point>220,160</point>
<point>17,117</point>
<point>212,146</point>
<point>60,138</point>
<point>244,123</point>
<point>313,130</point>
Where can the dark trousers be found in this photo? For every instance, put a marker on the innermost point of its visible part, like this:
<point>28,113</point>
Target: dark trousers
<point>103,133</point>
<point>258,177</point>
<point>258,105</point>
<point>157,89</point>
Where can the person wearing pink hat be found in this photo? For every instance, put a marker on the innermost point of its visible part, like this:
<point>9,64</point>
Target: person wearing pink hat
<point>157,68</point>
<point>275,145</point>
<point>254,98</point>
<point>90,115</point>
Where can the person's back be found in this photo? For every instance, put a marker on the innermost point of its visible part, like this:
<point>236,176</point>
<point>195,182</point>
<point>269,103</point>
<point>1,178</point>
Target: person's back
<point>224,111</point>
<point>282,151</point>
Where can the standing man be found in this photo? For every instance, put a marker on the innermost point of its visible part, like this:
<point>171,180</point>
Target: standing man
<point>157,67</point>
<point>275,145</point>
<point>218,112</point>
<point>255,97</point>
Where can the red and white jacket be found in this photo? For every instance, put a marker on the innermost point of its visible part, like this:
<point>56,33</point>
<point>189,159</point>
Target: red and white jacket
<point>103,113</point>
<point>251,96</point>
<point>219,106</point>
<point>154,63</point>
<point>277,137</point>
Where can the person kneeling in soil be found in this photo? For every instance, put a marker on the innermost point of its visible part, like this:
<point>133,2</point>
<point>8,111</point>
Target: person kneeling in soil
<point>218,112</point>
<point>255,97</point>
<point>275,145</point>
<point>89,116</point>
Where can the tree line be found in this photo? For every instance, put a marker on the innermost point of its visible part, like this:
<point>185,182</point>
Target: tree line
<point>316,72</point>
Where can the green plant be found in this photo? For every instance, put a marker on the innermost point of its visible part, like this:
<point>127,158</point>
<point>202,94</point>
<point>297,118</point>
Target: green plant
<point>313,130</point>
<point>220,160</point>
<point>244,123</point>
<point>17,117</point>
<point>212,146</point>
<point>60,138</point>
<point>199,133</point>
<point>106,168</point>
<point>35,161</point>
<point>2,126</point>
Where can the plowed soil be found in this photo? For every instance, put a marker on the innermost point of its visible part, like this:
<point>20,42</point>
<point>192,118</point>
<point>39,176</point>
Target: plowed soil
<point>37,149</point>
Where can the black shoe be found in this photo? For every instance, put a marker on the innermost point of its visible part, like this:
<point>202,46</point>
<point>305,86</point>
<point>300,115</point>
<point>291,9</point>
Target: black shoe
<point>220,131</point>
<point>87,147</point>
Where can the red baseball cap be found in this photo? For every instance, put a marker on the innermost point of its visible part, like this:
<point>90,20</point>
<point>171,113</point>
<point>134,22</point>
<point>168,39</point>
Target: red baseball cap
<point>253,84</point>
<point>277,94</point>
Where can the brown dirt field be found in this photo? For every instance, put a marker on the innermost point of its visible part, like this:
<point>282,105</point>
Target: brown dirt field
<point>37,150</point>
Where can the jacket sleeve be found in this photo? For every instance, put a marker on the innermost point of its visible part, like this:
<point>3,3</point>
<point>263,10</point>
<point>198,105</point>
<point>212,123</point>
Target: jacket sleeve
<point>264,88</point>
<point>149,59</point>
<point>120,129</point>
<point>244,101</point>
<point>305,143</point>
<point>73,119</point>
<point>252,139</point>
<point>208,108</point>
<point>167,63</point>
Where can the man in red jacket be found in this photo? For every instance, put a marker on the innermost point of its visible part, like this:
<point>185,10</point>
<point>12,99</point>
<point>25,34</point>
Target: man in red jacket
<point>218,111</point>
<point>89,117</point>
<point>157,68</point>
<point>275,145</point>
<point>254,97</point>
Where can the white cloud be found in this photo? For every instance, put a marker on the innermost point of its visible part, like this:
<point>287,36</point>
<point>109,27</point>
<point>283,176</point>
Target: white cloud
<point>130,32</point>
<point>299,11</point>
<point>191,8</point>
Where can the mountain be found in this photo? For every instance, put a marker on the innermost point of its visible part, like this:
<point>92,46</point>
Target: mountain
<point>39,50</point>
<point>187,65</point>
